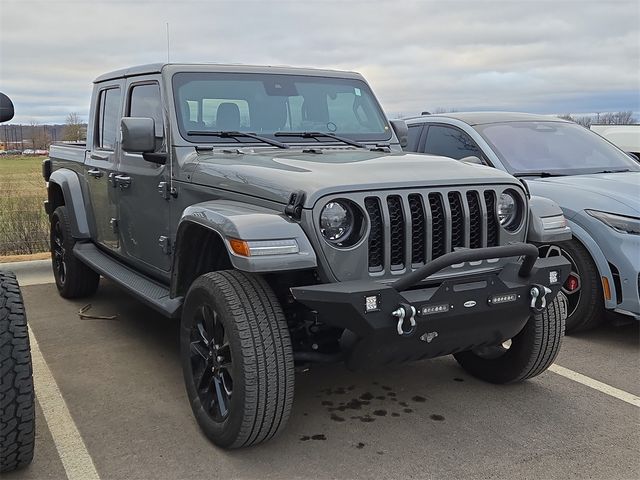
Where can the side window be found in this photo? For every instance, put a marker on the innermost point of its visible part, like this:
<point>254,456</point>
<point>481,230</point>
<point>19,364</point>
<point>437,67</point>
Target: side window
<point>108,119</point>
<point>145,102</point>
<point>414,137</point>
<point>450,142</point>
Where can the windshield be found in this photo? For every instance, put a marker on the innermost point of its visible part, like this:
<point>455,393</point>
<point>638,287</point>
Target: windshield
<point>553,147</point>
<point>268,103</point>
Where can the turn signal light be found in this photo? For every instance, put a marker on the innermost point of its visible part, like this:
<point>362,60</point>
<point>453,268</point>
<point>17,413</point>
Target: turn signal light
<point>606,289</point>
<point>240,247</point>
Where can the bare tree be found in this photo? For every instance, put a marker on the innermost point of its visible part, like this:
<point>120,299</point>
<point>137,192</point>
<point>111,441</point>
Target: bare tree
<point>608,118</point>
<point>74,129</point>
<point>40,139</point>
<point>584,121</point>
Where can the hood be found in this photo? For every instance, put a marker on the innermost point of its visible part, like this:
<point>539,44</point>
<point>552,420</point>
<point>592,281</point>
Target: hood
<point>274,175</point>
<point>623,187</point>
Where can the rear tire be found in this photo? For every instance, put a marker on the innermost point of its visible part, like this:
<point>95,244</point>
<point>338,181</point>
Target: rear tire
<point>530,353</point>
<point>73,278</point>
<point>237,358</point>
<point>17,411</point>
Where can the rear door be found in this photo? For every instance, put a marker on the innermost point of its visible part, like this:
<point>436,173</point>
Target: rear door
<point>101,163</point>
<point>143,186</point>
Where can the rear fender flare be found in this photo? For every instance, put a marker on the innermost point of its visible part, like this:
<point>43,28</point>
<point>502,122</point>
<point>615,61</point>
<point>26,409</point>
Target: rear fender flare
<point>69,184</point>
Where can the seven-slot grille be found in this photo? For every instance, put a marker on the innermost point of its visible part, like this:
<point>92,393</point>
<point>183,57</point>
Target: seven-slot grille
<point>415,228</point>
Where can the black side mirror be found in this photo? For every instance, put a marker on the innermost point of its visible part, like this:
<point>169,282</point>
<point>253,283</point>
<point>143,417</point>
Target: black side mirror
<point>401,130</point>
<point>6,108</point>
<point>138,135</point>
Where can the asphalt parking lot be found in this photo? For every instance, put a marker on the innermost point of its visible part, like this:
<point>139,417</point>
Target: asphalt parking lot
<point>123,411</point>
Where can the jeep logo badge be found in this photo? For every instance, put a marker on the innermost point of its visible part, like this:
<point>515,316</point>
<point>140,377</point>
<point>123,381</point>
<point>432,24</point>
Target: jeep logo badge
<point>470,303</point>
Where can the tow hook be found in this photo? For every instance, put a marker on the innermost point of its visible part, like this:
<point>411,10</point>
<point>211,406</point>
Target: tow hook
<point>539,297</point>
<point>401,313</point>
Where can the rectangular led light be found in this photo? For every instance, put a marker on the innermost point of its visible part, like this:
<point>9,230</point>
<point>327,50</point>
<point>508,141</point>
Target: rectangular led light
<point>258,248</point>
<point>431,309</point>
<point>261,248</point>
<point>551,223</point>
<point>503,298</point>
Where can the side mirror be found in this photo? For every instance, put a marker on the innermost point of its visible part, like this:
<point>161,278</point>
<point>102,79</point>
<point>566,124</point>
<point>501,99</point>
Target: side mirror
<point>6,108</point>
<point>401,130</point>
<point>472,159</point>
<point>138,135</point>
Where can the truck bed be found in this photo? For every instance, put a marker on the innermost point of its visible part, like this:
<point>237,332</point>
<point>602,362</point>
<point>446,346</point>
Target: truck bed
<point>74,152</point>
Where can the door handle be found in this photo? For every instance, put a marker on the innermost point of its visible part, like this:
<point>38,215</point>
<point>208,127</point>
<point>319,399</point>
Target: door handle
<point>95,156</point>
<point>123,181</point>
<point>95,173</point>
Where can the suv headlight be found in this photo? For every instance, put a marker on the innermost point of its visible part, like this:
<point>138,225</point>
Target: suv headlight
<point>341,223</point>
<point>509,210</point>
<point>620,223</point>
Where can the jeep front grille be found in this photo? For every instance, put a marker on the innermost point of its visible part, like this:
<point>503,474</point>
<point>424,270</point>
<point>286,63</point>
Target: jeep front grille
<point>408,230</point>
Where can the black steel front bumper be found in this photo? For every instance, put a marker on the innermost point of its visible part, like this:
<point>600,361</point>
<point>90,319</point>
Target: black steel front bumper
<point>408,320</point>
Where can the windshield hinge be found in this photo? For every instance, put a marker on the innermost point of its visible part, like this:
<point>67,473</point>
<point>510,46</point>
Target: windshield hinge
<point>294,207</point>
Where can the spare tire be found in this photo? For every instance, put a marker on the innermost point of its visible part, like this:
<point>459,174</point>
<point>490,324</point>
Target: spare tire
<point>17,411</point>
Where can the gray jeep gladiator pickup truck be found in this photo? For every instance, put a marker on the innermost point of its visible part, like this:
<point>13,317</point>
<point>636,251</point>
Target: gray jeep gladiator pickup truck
<point>273,211</point>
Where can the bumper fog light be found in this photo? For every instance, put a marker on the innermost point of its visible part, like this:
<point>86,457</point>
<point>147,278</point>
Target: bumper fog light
<point>371,303</point>
<point>431,309</point>
<point>503,298</point>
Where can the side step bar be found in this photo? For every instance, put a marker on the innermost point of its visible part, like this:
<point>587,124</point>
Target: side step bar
<point>149,291</point>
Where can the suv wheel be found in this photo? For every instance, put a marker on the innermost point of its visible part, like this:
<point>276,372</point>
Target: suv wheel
<point>527,354</point>
<point>236,358</point>
<point>585,300</point>
<point>17,411</point>
<point>73,278</point>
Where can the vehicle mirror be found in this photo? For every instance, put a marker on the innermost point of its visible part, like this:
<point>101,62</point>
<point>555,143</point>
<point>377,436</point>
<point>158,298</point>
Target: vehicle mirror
<point>401,130</point>
<point>138,135</point>
<point>472,159</point>
<point>6,108</point>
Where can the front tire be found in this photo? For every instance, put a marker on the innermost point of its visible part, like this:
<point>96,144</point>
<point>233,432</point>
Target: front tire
<point>73,278</point>
<point>237,358</point>
<point>17,410</point>
<point>526,355</point>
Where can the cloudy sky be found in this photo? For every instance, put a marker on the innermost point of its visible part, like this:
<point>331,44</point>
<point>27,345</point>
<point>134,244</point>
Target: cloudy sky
<point>544,56</point>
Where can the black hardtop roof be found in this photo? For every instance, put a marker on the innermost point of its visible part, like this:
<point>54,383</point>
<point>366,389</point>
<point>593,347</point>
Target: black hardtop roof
<point>152,68</point>
<point>479,118</point>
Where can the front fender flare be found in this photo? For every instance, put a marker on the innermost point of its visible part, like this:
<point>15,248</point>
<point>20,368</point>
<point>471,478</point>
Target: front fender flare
<point>69,183</point>
<point>230,219</point>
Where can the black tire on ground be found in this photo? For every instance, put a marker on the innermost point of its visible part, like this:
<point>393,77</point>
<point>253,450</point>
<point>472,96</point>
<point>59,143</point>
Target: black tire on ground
<point>237,358</point>
<point>17,411</point>
<point>589,311</point>
<point>73,278</point>
<point>530,353</point>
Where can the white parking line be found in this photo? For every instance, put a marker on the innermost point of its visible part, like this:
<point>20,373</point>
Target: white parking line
<point>596,385</point>
<point>73,453</point>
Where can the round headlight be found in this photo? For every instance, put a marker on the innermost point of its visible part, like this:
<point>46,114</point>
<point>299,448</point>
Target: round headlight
<point>336,221</point>
<point>507,209</point>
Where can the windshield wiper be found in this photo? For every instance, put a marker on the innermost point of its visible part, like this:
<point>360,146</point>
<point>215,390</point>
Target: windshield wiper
<point>315,136</point>
<point>614,171</point>
<point>234,135</point>
<point>537,174</point>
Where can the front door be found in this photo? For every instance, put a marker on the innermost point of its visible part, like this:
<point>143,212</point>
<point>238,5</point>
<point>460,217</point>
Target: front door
<point>101,163</point>
<point>143,197</point>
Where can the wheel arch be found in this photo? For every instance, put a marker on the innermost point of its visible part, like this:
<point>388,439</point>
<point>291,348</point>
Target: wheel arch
<point>598,257</point>
<point>202,242</point>
<point>64,189</point>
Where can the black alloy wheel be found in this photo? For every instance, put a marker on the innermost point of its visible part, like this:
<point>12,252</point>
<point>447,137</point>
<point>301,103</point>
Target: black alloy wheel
<point>211,363</point>
<point>59,253</point>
